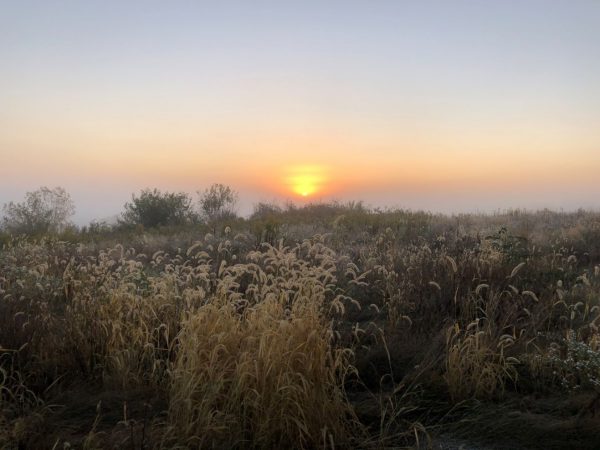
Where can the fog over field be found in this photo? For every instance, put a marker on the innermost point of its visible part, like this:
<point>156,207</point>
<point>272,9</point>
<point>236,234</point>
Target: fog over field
<point>264,225</point>
<point>442,106</point>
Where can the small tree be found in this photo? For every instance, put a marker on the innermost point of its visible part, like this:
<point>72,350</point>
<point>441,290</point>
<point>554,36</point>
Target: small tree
<point>264,210</point>
<point>43,211</point>
<point>218,203</point>
<point>266,221</point>
<point>154,208</point>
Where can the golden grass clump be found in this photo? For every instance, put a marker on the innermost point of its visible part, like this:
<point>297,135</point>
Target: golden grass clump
<point>476,364</point>
<point>138,342</point>
<point>265,378</point>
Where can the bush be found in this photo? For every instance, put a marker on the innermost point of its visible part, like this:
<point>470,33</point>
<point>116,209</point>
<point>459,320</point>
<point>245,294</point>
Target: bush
<point>43,211</point>
<point>155,208</point>
<point>218,203</point>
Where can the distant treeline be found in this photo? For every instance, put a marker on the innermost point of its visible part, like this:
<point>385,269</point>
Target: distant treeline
<point>49,211</point>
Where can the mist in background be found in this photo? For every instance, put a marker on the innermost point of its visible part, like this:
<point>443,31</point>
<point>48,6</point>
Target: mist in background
<point>443,106</point>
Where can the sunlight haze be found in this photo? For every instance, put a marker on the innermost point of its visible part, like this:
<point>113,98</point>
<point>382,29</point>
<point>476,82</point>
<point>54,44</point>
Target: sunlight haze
<point>443,106</point>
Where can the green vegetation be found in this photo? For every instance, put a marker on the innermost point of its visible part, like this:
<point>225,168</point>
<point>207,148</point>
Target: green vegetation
<point>43,211</point>
<point>326,326</point>
<point>153,208</point>
<point>218,203</point>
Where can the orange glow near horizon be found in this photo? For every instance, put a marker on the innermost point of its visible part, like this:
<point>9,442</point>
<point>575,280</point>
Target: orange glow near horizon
<point>306,180</point>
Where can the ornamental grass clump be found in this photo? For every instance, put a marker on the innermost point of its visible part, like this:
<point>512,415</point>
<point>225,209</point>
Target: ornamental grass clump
<point>265,378</point>
<point>477,364</point>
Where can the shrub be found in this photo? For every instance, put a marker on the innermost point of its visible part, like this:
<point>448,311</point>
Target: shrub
<point>569,363</point>
<point>218,203</point>
<point>154,208</point>
<point>43,211</point>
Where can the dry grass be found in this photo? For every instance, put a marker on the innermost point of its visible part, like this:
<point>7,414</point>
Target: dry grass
<point>476,364</point>
<point>340,332</point>
<point>264,378</point>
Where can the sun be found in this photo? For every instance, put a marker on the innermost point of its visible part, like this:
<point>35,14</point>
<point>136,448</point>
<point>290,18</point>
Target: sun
<point>305,181</point>
<point>304,185</point>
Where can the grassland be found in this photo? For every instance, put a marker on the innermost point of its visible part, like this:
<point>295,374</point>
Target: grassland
<point>327,326</point>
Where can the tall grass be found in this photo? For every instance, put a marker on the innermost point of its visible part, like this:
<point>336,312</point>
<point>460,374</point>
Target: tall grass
<point>328,333</point>
<point>263,378</point>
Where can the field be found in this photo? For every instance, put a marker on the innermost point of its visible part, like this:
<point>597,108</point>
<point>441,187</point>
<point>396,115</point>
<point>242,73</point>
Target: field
<point>328,326</point>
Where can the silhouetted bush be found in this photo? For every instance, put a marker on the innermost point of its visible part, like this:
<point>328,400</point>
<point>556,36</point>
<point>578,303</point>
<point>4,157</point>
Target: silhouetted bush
<point>154,208</point>
<point>43,211</point>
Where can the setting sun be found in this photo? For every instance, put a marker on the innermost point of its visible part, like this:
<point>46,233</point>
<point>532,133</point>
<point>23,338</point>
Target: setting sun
<point>305,180</point>
<point>298,224</point>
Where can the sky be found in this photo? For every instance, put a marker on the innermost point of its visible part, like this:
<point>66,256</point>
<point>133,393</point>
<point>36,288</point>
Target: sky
<point>443,106</point>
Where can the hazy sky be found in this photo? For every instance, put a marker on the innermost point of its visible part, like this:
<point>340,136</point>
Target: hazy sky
<point>445,105</point>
